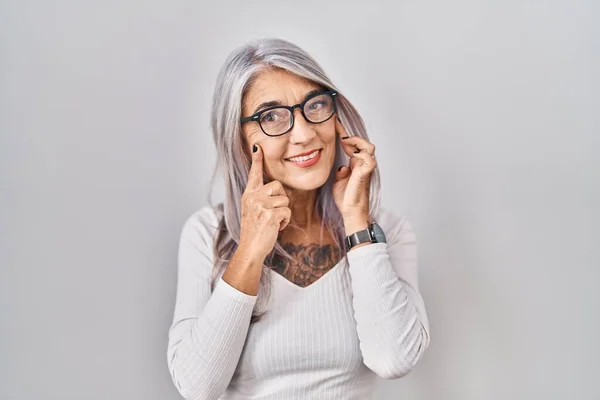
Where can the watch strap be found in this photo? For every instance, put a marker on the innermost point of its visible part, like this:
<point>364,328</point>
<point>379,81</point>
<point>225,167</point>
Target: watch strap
<point>363,236</point>
<point>372,234</point>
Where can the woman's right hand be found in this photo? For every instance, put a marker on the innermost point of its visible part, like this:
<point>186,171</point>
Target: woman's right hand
<point>265,210</point>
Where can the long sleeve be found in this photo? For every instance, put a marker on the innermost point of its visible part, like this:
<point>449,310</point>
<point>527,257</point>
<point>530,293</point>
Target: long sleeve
<point>209,329</point>
<point>391,319</point>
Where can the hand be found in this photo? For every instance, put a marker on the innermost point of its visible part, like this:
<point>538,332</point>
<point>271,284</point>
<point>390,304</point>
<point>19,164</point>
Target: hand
<point>265,210</point>
<point>352,183</point>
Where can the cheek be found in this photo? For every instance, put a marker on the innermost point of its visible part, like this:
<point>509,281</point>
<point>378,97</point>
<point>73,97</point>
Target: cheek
<point>329,136</point>
<point>273,152</point>
<point>251,137</point>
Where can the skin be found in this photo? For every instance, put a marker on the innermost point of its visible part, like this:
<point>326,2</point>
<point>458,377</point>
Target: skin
<point>302,236</point>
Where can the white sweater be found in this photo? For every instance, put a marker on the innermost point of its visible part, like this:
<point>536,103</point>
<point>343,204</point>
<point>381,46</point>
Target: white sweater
<point>329,340</point>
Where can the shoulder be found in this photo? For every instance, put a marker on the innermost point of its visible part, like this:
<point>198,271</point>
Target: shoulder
<point>202,225</point>
<point>397,228</point>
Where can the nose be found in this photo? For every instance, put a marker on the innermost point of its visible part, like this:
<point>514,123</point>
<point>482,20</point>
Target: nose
<point>302,131</point>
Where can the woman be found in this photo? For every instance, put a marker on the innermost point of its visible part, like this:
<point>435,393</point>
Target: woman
<point>290,289</point>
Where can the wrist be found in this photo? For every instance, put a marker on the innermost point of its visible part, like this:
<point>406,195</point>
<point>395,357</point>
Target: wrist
<point>250,254</point>
<point>355,224</point>
<point>243,273</point>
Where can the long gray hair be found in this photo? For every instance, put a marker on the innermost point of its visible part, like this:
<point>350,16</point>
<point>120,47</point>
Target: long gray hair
<point>235,78</point>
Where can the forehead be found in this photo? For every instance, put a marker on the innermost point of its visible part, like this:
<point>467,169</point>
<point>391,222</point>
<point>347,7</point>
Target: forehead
<point>277,85</point>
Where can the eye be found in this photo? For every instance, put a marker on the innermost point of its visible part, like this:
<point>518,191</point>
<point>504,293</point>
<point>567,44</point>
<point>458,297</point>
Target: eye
<point>315,105</point>
<point>271,116</point>
<point>318,104</point>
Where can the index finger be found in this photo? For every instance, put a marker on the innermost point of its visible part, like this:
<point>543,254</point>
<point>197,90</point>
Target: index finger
<point>351,142</point>
<point>344,138</point>
<point>255,176</point>
<point>339,128</point>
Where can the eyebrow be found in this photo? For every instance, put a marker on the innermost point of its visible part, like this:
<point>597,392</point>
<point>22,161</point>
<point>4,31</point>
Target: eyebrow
<point>274,103</point>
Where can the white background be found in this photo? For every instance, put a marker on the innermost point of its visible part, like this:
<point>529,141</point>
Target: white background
<point>485,115</point>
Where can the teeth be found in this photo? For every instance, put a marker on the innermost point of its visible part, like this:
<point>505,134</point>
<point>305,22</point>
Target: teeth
<point>304,158</point>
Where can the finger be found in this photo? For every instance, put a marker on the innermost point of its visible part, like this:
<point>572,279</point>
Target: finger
<point>274,188</point>
<point>284,215</point>
<point>342,172</point>
<point>341,131</point>
<point>339,128</point>
<point>348,142</point>
<point>368,160</point>
<point>348,148</point>
<point>361,144</point>
<point>355,144</point>
<point>277,201</point>
<point>354,162</point>
<point>255,176</point>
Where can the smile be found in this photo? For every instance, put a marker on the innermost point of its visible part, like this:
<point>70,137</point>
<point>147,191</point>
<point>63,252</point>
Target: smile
<point>307,160</point>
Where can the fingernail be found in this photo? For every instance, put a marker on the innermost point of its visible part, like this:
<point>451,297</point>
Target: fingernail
<point>340,168</point>
<point>345,137</point>
<point>254,148</point>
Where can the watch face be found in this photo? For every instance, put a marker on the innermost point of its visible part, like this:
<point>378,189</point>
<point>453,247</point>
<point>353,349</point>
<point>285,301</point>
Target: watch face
<point>378,233</point>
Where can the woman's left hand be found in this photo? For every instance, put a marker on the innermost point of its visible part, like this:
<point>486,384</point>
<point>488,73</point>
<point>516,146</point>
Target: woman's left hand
<point>352,183</point>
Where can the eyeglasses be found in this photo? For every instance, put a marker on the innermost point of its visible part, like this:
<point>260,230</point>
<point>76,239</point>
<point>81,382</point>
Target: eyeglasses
<point>279,120</point>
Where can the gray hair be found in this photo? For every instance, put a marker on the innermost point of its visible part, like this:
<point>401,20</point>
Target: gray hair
<point>235,78</point>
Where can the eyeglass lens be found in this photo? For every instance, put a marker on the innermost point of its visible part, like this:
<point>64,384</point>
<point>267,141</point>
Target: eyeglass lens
<point>279,120</point>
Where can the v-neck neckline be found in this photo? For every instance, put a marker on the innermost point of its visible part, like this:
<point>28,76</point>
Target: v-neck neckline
<point>315,283</point>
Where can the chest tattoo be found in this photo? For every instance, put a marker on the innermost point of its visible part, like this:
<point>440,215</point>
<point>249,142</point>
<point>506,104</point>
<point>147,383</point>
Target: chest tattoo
<point>310,262</point>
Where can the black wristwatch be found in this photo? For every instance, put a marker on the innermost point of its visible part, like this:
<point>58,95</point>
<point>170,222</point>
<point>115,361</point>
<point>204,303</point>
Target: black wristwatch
<point>373,234</point>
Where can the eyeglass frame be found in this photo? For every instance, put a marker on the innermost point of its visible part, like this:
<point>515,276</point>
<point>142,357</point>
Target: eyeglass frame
<point>256,116</point>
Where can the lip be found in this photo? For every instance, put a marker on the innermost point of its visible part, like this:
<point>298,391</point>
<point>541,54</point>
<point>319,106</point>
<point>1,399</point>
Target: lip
<point>303,154</point>
<point>307,163</point>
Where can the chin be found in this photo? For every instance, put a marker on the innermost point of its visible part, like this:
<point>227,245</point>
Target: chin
<point>308,182</point>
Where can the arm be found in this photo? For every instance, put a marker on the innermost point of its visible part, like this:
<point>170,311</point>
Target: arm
<point>391,319</point>
<point>209,329</point>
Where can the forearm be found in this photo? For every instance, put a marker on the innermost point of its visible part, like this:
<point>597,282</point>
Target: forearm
<point>389,313</point>
<point>210,324</point>
<point>204,351</point>
<point>243,271</point>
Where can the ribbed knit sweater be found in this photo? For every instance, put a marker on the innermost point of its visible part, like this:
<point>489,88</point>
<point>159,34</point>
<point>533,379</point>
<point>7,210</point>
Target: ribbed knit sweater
<point>330,340</point>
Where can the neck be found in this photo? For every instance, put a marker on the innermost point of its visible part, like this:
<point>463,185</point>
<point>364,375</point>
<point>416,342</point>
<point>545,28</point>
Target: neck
<point>302,205</point>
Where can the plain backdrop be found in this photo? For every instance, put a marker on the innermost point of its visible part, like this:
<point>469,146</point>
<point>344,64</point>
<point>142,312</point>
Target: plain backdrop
<point>485,115</point>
